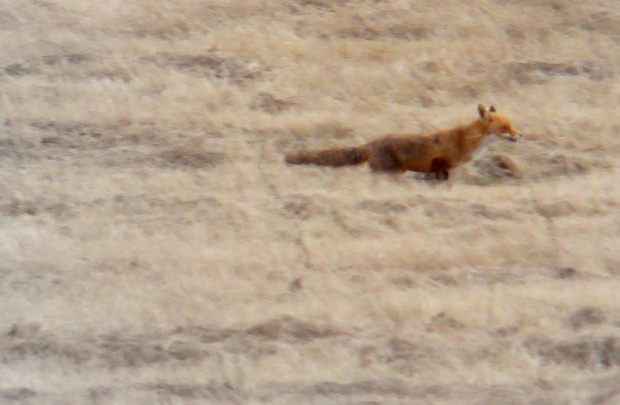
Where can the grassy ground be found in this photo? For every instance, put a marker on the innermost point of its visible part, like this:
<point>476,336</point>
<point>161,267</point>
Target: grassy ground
<point>155,246</point>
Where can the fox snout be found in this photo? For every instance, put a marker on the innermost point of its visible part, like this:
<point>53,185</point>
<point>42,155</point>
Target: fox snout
<point>512,136</point>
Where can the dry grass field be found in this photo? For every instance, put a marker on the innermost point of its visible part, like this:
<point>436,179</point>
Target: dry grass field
<point>156,248</point>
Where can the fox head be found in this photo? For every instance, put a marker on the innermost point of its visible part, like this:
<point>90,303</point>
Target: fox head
<point>497,125</point>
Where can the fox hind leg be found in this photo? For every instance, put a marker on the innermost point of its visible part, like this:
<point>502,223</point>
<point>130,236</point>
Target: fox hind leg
<point>383,160</point>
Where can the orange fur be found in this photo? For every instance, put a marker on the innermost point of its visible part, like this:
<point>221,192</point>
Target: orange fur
<point>435,153</point>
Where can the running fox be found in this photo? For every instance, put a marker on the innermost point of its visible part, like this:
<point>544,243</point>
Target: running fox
<point>435,153</point>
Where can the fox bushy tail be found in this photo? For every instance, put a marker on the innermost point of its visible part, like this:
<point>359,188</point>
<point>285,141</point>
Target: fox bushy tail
<point>329,157</point>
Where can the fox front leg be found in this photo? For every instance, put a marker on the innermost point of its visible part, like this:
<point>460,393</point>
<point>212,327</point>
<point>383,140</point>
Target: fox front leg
<point>440,167</point>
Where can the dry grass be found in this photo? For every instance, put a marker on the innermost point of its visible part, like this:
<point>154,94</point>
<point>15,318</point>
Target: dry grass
<point>156,248</point>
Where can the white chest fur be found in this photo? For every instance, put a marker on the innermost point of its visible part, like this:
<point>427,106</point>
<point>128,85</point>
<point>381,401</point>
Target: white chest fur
<point>484,145</point>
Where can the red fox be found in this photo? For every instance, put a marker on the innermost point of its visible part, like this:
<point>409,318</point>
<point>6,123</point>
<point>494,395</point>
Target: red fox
<point>435,153</point>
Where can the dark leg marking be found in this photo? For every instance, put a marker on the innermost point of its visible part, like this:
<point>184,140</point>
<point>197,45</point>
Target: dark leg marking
<point>439,167</point>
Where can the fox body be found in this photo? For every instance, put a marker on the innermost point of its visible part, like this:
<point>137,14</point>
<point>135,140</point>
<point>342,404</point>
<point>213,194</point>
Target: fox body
<point>435,153</point>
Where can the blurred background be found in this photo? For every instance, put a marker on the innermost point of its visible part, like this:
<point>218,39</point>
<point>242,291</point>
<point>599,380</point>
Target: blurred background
<point>155,246</point>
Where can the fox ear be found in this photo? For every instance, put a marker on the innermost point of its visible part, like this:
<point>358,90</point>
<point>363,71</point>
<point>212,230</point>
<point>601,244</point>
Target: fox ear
<point>482,110</point>
<point>492,109</point>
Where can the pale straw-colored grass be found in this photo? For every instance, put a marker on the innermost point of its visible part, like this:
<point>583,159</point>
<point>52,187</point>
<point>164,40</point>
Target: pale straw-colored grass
<point>155,246</point>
